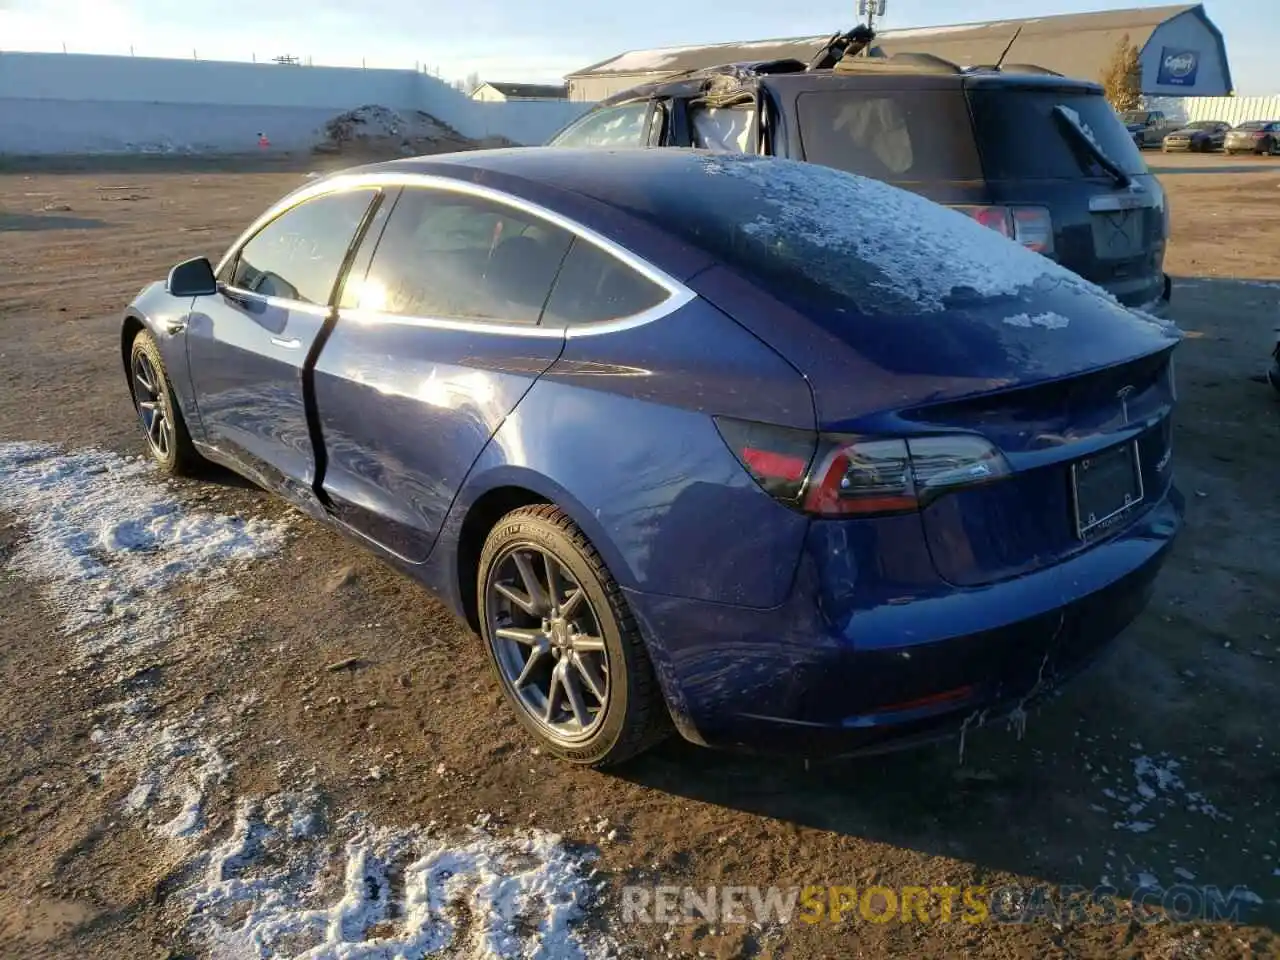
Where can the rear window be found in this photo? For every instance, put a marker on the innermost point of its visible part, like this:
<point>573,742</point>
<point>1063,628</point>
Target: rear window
<point>899,136</point>
<point>1253,125</point>
<point>1023,138</point>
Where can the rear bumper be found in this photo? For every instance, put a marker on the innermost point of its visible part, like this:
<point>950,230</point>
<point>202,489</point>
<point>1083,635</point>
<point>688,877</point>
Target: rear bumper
<point>826,674</point>
<point>1159,307</point>
<point>1151,295</point>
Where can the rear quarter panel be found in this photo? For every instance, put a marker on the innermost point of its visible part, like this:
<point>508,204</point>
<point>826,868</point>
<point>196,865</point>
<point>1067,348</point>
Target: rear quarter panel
<point>619,433</point>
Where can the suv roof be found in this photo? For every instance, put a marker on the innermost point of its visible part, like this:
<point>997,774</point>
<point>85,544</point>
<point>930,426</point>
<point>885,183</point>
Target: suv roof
<point>910,69</point>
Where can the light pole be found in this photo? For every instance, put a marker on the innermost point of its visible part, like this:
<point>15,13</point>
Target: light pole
<point>871,9</point>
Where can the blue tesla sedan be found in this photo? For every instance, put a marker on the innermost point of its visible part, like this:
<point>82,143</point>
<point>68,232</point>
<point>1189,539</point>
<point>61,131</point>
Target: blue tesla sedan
<point>774,455</point>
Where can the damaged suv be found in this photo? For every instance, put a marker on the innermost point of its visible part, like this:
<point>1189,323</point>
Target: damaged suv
<point>1039,157</point>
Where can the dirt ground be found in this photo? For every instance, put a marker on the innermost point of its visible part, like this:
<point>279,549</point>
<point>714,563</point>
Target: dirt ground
<point>1158,767</point>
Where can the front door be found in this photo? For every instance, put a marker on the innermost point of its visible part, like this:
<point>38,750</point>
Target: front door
<point>434,346</point>
<point>248,344</point>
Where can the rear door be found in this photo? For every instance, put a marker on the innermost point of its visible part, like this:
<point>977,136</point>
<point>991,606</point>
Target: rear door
<point>1040,146</point>
<point>248,343</point>
<point>436,341</point>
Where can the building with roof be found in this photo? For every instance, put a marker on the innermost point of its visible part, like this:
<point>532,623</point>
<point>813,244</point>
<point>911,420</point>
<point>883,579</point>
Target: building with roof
<point>1182,51</point>
<point>506,92</point>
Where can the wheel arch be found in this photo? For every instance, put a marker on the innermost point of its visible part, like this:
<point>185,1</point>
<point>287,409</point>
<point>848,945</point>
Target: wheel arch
<point>489,497</point>
<point>130,327</point>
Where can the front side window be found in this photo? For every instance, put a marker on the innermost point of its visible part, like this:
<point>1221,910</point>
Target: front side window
<point>448,255</point>
<point>724,129</point>
<point>595,286</point>
<point>621,126</point>
<point>297,255</point>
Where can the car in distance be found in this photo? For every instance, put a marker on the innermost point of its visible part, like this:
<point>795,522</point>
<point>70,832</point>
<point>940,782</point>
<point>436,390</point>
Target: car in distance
<point>1201,136</point>
<point>1147,127</point>
<point>791,459</point>
<point>1255,136</point>
<point>1035,156</point>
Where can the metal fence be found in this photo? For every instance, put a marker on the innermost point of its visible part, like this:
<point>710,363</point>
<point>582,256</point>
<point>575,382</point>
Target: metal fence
<point>1231,109</point>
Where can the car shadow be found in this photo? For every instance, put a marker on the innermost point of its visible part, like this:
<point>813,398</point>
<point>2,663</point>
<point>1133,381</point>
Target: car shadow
<point>35,222</point>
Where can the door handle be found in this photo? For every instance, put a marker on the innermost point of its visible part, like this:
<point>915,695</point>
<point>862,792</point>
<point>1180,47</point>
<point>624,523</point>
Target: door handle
<point>291,344</point>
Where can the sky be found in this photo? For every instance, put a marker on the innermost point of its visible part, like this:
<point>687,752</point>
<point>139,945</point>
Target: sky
<point>507,40</point>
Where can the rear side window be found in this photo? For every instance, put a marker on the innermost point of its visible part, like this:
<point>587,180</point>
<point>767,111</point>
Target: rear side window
<point>1023,139</point>
<point>895,135</point>
<point>595,286</point>
<point>723,129</point>
<point>449,255</point>
<point>621,126</point>
<point>297,256</point>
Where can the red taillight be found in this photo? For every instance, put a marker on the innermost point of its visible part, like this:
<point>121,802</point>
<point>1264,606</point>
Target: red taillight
<point>1030,226</point>
<point>859,476</point>
<point>1260,135</point>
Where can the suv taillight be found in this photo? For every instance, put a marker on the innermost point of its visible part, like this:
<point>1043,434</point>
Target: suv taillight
<point>1030,226</point>
<point>835,476</point>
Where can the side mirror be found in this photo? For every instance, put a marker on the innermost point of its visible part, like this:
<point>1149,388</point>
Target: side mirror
<point>192,278</point>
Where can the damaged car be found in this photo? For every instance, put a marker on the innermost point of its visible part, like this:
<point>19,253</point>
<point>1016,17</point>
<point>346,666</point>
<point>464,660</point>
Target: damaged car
<point>765,453</point>
<point>1037,157</point>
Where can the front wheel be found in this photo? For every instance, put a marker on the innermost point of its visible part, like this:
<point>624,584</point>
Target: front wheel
<point>168,441</point>
<point>563,642</point>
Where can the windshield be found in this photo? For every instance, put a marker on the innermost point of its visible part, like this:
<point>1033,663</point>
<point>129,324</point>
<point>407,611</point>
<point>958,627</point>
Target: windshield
<point>1134,117</point>
<point>1252,125</point>
<point>1202,125</point>
<point>1023,138</point>
<point>896,135</point>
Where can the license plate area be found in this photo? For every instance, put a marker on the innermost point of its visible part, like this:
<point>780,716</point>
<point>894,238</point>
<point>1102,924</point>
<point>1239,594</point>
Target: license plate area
<point>1119,234</point>
<point>1105,488</point>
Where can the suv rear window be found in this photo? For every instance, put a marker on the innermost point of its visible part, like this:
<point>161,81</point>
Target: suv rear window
<point>901,136</point>
<point>1022,139</point>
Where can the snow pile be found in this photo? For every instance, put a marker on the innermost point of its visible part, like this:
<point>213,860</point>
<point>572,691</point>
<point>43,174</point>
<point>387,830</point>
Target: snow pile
<point>837,227</point>
<point>377,129</point>
<point>270,890</point>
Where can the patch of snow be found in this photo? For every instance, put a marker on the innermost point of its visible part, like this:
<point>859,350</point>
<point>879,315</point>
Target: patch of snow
<point>641,61</point>
<point>487,896</point>
<point>1134,826</point>
<point>108,546</point>
<point>107,543</point>
<point>1148,881</point>
<point>1079,123</point>
<point>874,241</point>
<point>1050,321</point>
<point>890,35</point>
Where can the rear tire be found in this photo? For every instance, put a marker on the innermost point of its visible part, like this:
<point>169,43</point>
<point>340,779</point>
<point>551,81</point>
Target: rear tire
<point>573,623</point>
<point>163,426</point>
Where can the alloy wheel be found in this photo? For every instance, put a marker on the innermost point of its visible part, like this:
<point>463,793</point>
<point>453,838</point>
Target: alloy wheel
<point>547,642</point>
<point>151,402</point>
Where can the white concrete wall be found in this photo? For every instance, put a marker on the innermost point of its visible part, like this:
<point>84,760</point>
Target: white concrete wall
<point>1231,109</point>
<point>56,103</point>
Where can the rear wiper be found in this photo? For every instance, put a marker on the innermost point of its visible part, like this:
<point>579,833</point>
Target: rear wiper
<point>1071,120</point>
